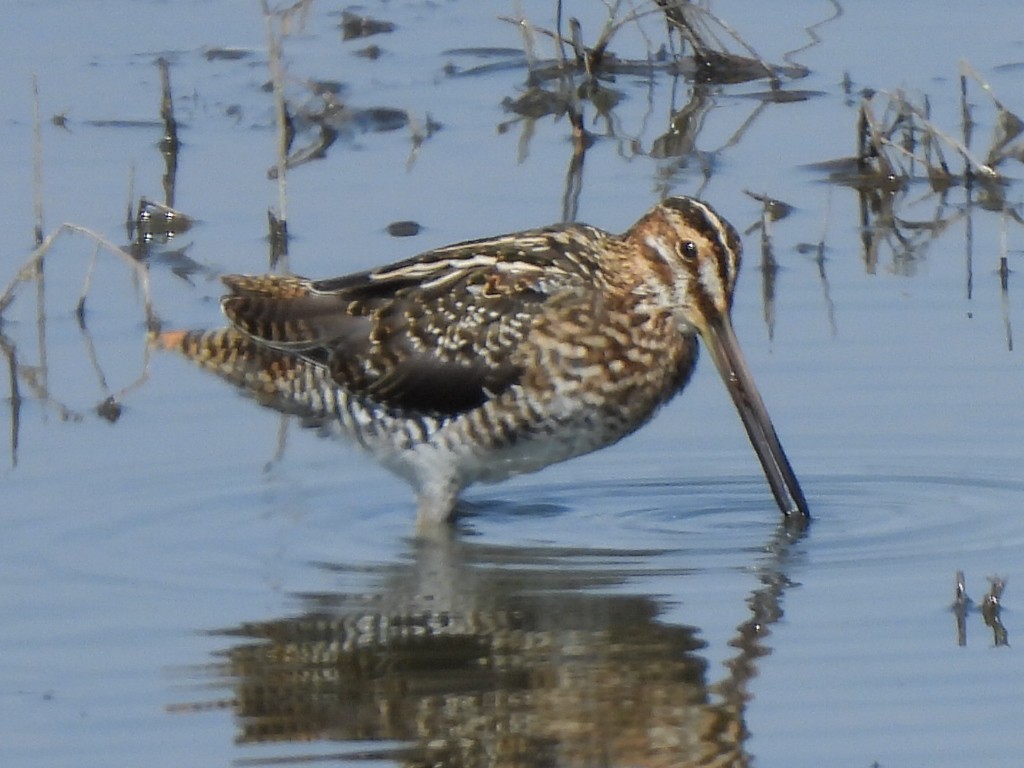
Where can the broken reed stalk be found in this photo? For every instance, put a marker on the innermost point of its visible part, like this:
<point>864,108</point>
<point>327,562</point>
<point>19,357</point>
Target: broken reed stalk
<point>863,136</point>
<point>610,28</point>
<point>169,144</point>
<point>14,398</point>
<point>130,214</point>
<point>559,39</point>
<point>969,238</point>
<point>278,222</point>
<point>870,142</point>
<point>36,273</point>
<point>37,163</point>
<point>170,137</point>
<point>38,276</point>
<point>966,121</point>
<point>961,605</point>
<point>966,70</point>
<point>769,269</point>
<point>589,57</point>
<point>1004,286</point>
<point>973,163</point>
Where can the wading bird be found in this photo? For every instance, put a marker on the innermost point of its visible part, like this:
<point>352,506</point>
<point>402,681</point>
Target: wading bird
<point>493,357</point>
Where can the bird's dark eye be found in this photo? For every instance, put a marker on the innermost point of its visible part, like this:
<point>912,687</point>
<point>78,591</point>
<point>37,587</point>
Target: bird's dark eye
<point>689,250</point>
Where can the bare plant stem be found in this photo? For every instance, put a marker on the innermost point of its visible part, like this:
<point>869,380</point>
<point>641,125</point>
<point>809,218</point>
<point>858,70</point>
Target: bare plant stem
<point>281,121</point>
<point>37,162</point>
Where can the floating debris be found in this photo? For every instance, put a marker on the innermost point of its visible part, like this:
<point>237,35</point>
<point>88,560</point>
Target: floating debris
<point>113,123</point>
<point>371,52</point>
<point>403,228</point>
<point>326,87</point>
<point>354,26</point>
<point>775,209</point>
<point>217,53</point>
<point>109,409</point>
<point>158,222</point>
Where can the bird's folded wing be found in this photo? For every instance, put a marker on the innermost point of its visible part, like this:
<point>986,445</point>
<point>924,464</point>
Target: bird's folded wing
<point>438,333</point>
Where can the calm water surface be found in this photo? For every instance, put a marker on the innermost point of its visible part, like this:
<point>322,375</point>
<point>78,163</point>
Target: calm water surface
<point>199,582</point>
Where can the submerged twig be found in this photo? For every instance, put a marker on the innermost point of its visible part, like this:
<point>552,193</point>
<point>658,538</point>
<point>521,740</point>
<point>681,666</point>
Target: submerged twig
<point>36,376</point>
<point>32,264</point>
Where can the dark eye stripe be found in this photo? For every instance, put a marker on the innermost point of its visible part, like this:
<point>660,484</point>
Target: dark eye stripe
<point>720,233</point>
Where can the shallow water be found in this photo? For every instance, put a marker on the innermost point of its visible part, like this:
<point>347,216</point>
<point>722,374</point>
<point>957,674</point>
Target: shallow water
<point>201,582</point>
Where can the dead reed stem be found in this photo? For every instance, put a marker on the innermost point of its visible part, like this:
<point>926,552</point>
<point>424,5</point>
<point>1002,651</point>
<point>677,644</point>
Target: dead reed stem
<point>11,353</point>
<point>37,162</point>
<point>279,222</point>
<point>1004,285</point>
<point>169,144</point>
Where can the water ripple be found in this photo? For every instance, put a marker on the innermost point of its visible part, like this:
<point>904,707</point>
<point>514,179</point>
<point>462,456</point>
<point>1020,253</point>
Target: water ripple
<point>858,517</point>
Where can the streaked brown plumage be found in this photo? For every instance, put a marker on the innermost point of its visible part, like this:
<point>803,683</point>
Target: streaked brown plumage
<point>489,358</point>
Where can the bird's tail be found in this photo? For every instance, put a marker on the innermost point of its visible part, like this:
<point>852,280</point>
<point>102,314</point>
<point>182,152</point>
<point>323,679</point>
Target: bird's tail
<point>274,378</point>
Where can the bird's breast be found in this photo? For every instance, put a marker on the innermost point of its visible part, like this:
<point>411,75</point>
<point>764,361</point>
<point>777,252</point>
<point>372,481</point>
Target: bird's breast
<point>612,361</point>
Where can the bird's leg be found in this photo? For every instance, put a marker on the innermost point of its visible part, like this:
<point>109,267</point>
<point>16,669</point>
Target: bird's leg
<point>436,502</point>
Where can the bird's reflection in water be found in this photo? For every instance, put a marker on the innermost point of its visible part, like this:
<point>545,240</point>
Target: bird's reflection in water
<point>475,655</point>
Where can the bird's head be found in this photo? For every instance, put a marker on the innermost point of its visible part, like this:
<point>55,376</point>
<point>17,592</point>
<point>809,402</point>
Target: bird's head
<point>694,255</point>
<point>691,258</point>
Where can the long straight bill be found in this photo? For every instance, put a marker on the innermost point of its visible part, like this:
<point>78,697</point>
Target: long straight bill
<point>721,342</point>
